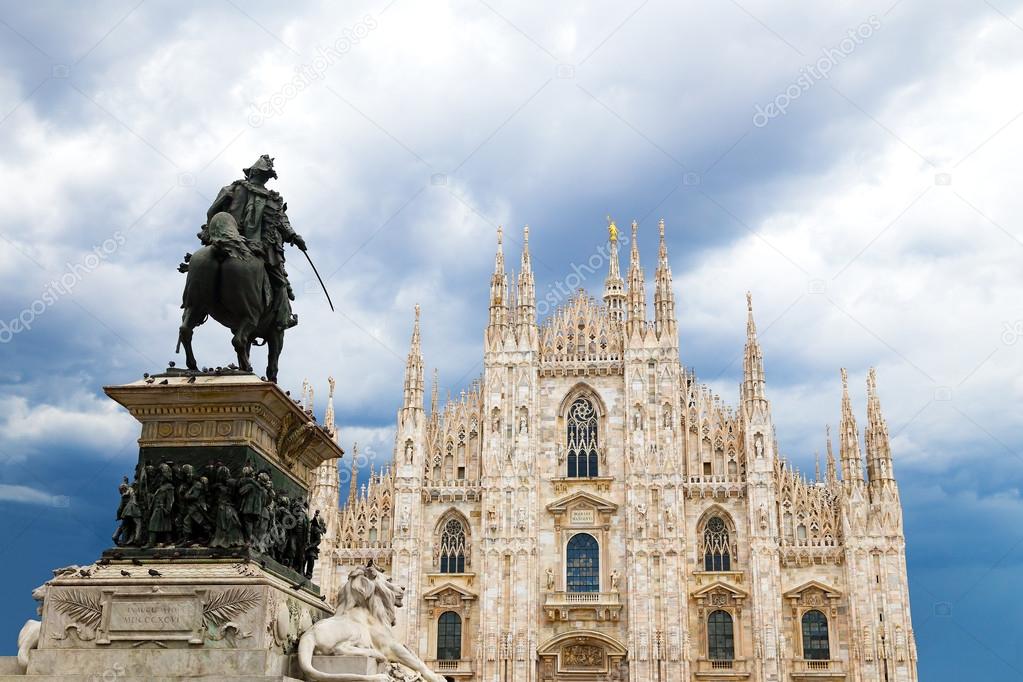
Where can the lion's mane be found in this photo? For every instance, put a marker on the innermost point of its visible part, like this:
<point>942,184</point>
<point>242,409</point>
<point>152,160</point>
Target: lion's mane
<point>364,589</point>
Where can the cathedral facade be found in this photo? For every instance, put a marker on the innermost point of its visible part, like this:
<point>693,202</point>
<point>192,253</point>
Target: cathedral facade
<point>589,511</point>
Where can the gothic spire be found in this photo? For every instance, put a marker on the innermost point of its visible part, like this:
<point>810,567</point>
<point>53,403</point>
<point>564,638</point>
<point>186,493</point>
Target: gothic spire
<point>498,288</point>
<point>637,286</point>
<point>879,452</point>
<point>614,286</point>
<point>526,313</point>
<point>324,491</point>
<point>753,383</point>
<point>664,296</point>
<point>353,483</point>
<point>307,395</point>
<point>329,420</point>
<point>414,370</point>
<point>832,473</point>
<point>434,393</point>
<point>848,440</point>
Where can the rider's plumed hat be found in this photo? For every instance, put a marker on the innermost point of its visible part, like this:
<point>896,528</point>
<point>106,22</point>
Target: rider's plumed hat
<point>263,163</point>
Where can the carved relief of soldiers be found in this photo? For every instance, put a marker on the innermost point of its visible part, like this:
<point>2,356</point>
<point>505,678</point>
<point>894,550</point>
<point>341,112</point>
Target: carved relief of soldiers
<point>266,513</point>
<point>317,528</point>
<point>195,526</point>
<point>130,515</point>
<point>251,502</point>
<point>298,535</point>
<point>228,531</point>
<point>171,505</point>
<point>161,514</point>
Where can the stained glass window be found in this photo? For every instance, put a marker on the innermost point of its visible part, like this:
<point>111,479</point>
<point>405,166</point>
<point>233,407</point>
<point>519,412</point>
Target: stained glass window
<point>716,554</point>
<point>452,547</point>
<point>720,641</point>
<point>815,636</point>
<point>583,573</point>
<point>582,440</point>
<point>449,636</point>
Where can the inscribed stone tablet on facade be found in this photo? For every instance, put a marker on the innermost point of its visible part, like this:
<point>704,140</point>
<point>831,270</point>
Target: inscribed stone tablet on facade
<point>582,517</point>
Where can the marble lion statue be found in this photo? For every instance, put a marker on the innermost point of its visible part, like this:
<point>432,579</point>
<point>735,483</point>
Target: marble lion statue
<point>28,638</point>
<point>361,626</point>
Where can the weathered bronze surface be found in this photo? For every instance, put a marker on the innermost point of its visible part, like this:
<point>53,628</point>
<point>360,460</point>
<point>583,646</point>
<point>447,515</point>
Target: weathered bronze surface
<point>237,277</point>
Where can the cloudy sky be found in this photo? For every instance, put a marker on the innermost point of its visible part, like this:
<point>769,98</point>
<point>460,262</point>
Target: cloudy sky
<point>853,165</point>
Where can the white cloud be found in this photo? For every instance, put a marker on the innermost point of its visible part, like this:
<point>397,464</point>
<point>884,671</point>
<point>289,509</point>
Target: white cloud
<point>80,421</point>
<point>432,87</point>
<point>25,495</point>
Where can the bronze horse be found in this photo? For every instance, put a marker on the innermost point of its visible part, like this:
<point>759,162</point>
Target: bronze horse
<point>227,280</point>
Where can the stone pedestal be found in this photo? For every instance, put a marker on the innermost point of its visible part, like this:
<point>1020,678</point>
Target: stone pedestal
<point>216,620</point>
<point>233,418</point>
<point>175,612</point>
<point>361,665</point>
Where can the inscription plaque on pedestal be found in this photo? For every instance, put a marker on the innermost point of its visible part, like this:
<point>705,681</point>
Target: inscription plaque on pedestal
<point>160,616</point>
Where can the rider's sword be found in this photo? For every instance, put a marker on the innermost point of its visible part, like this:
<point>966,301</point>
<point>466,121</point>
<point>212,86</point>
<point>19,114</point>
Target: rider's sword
<point>315,272</point>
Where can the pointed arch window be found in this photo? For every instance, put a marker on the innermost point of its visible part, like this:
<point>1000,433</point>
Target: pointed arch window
<point>716,553</point>
<point>583,564</point>
<point>582,439</point>
<point>449,636</point>
<point>815,636</point>
<point>720,638</point>
<point>452,547</point>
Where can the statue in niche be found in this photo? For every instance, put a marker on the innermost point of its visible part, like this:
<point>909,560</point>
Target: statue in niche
<point>669,519</point>
<point>758,445</point>
<point>615,578</point>
<point>409,451</point>
<point>550,578</point>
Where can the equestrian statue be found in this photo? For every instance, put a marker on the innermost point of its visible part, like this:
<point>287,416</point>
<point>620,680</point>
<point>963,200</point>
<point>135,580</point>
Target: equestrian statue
<point>237,277</point>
